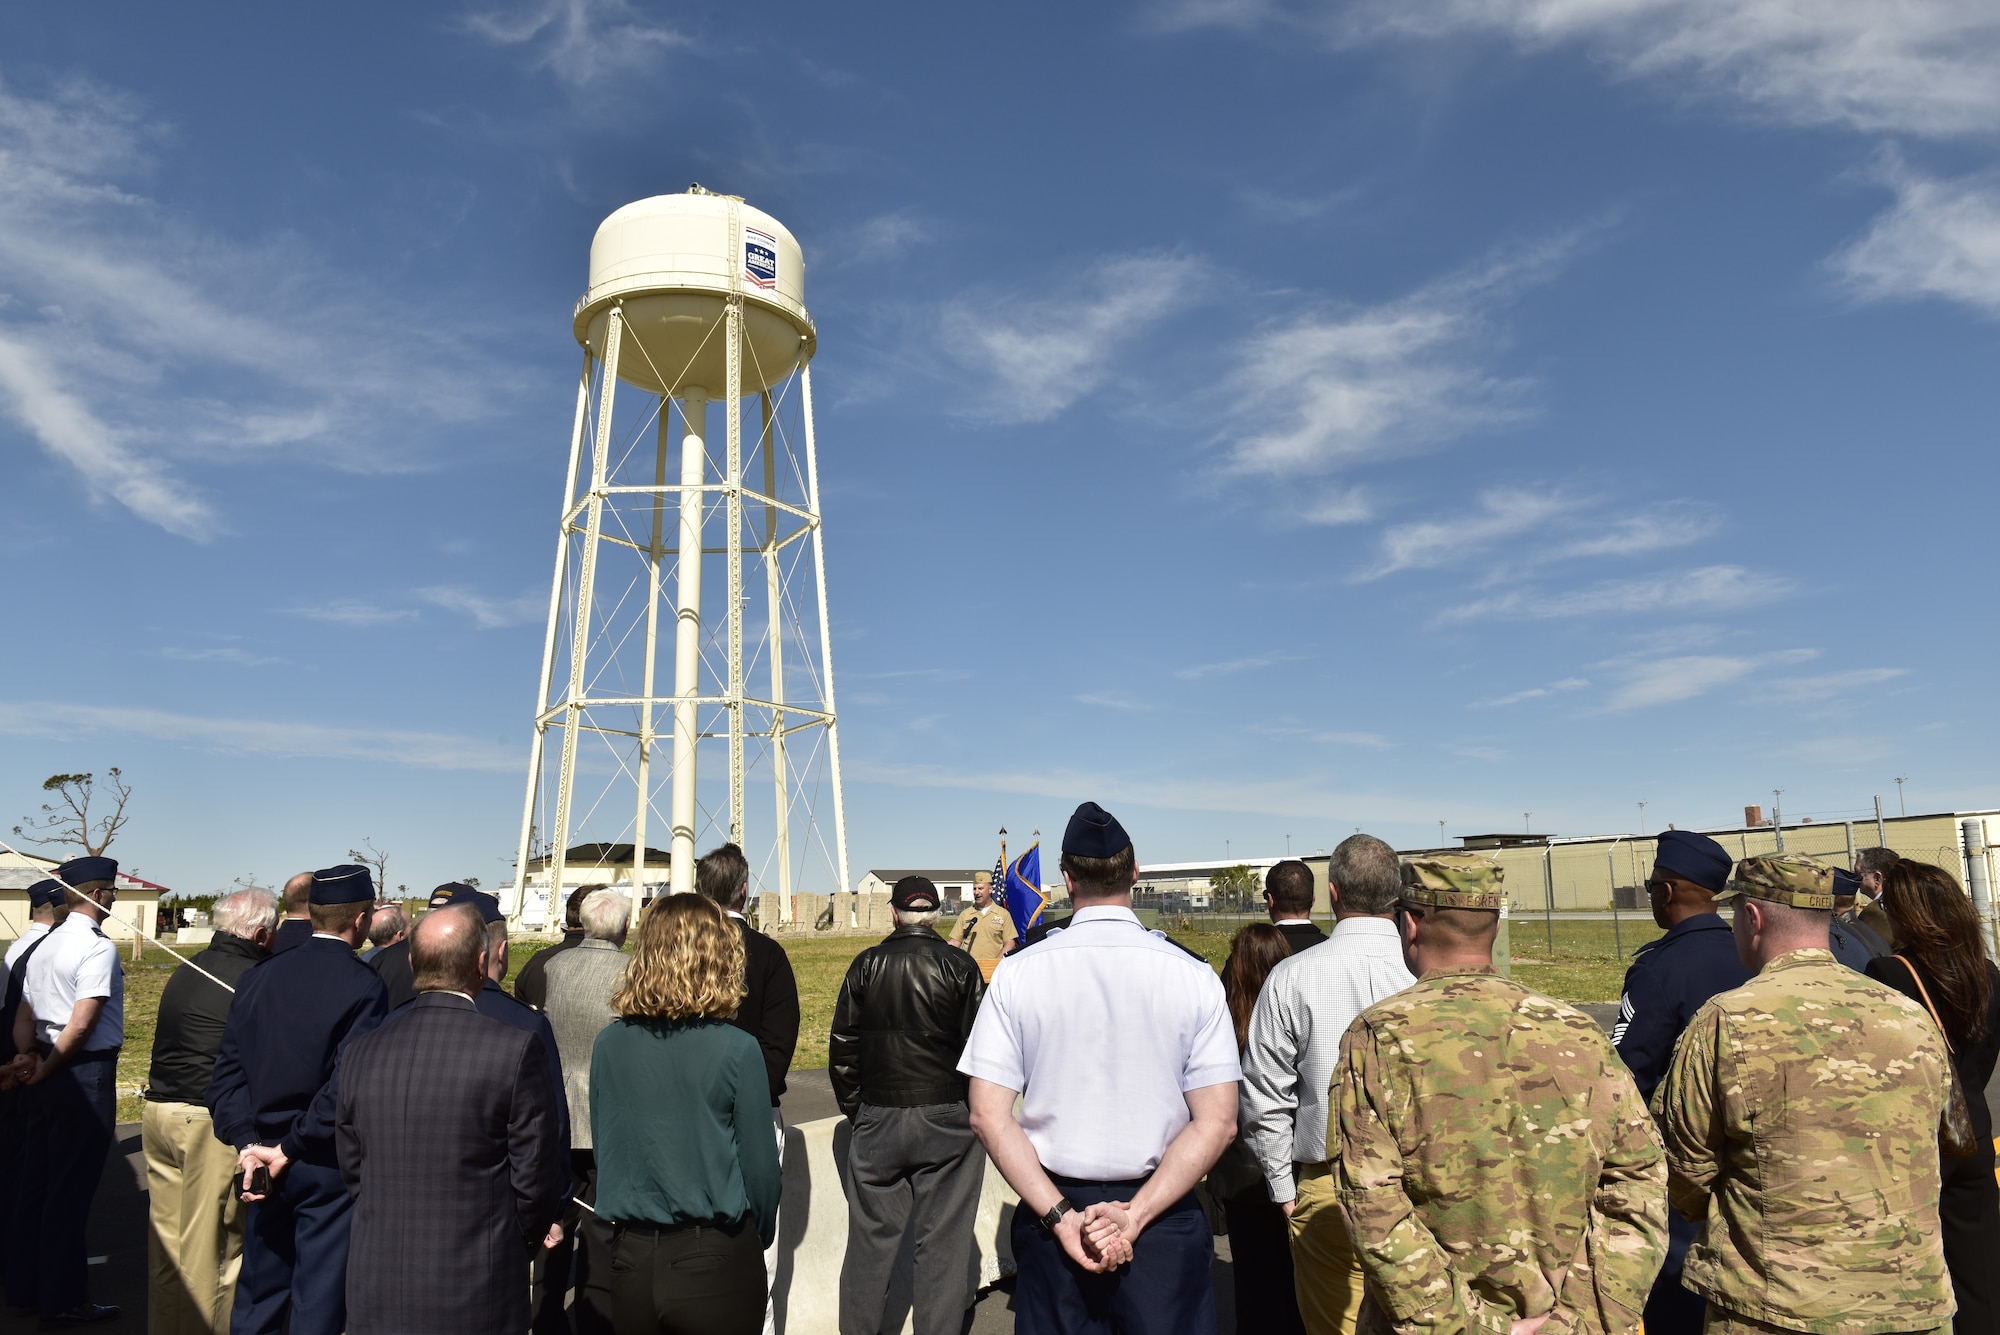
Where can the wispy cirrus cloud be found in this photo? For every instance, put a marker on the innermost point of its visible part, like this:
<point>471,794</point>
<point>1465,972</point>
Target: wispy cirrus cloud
<point>1707,589</point>
<point>1915,67</point>
<point>138,344</point>
<point>1662,681</point>
<point>487,613</point>
<point>1533,527</point>
<point>1826,686</point>
<point>579,41</point>
<point>353,612</point>
<point>1323,390</point>
<point>217,654</point>
<point>1533,693</point>
<point>1037,356</point>
<point>1114,700</point>
<point>266,737</point>
<point>1939,241</point>
<point>1230,667</point>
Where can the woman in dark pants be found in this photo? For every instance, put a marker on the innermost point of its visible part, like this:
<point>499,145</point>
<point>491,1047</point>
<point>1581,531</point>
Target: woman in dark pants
<point>680,1119</point>
<point>1260,1243</point>
<point>1937,937</point>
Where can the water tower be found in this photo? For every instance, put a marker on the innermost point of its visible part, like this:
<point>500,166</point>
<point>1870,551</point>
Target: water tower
<point>695,311</point>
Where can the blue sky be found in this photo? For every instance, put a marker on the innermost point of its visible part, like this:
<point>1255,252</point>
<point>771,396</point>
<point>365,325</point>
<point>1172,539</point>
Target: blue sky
<point>1267,419</point>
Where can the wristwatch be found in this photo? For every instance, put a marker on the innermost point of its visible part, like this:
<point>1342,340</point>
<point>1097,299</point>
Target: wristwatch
<point>1055,1214</point>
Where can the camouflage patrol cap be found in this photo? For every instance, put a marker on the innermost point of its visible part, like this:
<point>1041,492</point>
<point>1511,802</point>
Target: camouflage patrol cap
<point>1453,881</point>
<point>1783,878</point>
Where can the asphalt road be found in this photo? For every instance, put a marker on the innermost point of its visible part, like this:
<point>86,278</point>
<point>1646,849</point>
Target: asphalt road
<point>118,1222</point>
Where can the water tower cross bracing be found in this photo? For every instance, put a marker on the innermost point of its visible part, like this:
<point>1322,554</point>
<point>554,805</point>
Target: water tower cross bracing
<point>695,309</point>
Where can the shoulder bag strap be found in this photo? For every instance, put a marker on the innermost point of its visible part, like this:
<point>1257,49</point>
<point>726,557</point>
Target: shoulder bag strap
<point>1925,993</point>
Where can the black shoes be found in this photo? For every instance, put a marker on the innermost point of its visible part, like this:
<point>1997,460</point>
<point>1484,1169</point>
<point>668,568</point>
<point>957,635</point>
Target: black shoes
<point>84,1314</point>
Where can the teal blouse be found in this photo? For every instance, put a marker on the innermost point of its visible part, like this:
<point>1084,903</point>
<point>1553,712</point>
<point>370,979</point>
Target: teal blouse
<point>680,1118</point>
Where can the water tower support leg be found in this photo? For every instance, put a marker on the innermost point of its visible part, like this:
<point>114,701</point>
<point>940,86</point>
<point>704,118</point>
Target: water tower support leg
<point>536,743</point>
<point>654,550</point>
<point>687,635</point>
<point>826,646</point>
<point>586,588</point>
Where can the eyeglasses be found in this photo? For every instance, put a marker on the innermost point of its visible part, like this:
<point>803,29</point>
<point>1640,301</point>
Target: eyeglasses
<point>1660,887</point>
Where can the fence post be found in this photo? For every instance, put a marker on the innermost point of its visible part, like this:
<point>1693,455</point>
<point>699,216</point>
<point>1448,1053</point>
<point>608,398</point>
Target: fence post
<point>1611,872</point>
<point>1549,897</point>
<point>1881,830</point>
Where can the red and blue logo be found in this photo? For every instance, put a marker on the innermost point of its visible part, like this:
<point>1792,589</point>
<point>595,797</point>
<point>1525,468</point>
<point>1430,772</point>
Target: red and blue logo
<point>760,257</point>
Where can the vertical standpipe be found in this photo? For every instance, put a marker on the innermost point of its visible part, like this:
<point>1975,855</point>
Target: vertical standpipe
<point>687,637</point>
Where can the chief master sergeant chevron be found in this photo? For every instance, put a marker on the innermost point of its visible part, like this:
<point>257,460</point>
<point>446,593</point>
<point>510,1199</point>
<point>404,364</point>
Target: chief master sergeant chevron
<point>270,1096</point>
<point>1121,1048</point>
<point>1496,1167</point>
<point>1801,1116</point>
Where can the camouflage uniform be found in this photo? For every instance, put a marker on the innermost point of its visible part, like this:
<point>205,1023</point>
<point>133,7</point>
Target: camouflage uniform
<point>1495,1160</point>
<point>1805,1106</point>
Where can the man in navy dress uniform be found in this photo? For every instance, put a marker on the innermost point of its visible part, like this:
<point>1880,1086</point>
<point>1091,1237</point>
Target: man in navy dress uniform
<point>272,1097</point>
<point>1670,979</point>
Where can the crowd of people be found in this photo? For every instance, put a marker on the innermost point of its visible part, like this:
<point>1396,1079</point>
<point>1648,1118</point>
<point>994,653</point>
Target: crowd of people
<point>1785,1131</point>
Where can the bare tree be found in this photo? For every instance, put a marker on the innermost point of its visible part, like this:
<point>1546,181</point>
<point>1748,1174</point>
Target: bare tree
<point>375,860</point>
<point>67,820</point>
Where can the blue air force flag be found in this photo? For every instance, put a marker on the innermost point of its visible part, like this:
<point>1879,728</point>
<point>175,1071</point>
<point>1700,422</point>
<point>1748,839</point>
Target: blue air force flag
<point>1021,890</point>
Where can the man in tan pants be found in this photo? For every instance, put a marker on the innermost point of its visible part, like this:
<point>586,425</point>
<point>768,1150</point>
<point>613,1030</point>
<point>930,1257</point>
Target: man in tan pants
<point>196,1241</point>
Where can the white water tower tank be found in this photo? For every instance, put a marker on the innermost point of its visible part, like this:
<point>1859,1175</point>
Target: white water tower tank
<point>672,261</point>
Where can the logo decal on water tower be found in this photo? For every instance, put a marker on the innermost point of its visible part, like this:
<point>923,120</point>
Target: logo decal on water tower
<point>760,257</point>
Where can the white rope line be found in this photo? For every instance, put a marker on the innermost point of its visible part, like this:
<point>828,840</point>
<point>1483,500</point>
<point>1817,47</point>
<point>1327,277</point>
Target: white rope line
<point>136,933</point>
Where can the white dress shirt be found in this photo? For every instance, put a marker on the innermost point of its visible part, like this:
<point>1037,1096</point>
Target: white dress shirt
<point>1102,1030</point>
<point>34,932</point>
<point>1306,1005</point>
<point>76,962</point>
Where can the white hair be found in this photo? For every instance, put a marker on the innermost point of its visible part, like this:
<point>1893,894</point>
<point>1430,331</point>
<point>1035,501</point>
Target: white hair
<point>246,912</point>
<point>915,917</point>
<point>605,914</point>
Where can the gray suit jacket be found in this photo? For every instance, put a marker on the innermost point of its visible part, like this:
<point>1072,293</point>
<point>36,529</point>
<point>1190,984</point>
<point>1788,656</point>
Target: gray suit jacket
<point>446,1130</point>
<point>577,1001</point>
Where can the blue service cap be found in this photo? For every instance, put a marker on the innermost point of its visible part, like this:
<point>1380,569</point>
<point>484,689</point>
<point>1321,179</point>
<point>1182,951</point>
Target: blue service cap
<point>1094,832</point>
<point>342,885</point>
<point>81,871</point>
<point>1693,857</point>
<point>46,894</point>
<point>452,893</point>
<point>1846,884</point>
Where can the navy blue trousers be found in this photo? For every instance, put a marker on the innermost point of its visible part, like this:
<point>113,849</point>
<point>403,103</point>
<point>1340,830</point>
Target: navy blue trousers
<point>295,1256</point>
<point>1672,1309</point>
<point>1165,1290</point>
<point>69,1127</point>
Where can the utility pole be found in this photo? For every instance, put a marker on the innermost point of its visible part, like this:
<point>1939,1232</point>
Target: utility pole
<point>1901,809</point>
<point>1778,818</point>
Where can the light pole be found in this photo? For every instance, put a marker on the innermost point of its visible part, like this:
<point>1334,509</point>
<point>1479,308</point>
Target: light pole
<point>1526,826</point>
<point>1288,845</point>
<point>1900,808</point>
<point>1778,818</point>
<point>1440,834</point>
<point>1642,820</point>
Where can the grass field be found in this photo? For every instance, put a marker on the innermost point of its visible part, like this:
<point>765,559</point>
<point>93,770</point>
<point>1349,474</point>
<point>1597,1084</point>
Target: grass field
<point>1586,965</point>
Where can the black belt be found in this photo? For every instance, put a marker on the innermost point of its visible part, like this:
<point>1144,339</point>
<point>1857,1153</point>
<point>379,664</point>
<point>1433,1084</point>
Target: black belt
<point>78,1058</point>
<point>647,1228</point>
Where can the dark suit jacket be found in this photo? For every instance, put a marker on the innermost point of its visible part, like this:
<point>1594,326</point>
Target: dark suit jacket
<point>1302,936</point>
<point>292,933</point>
<point>392,963</point>
<point>445,1130</point>
<point>770,1009</point>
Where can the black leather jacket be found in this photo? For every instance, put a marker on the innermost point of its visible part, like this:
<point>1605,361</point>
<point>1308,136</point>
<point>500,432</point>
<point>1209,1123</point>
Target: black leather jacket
<point>906,1008</point>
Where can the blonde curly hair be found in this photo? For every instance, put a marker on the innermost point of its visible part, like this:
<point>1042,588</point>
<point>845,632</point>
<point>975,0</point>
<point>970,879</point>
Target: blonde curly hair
<point>687,964</point>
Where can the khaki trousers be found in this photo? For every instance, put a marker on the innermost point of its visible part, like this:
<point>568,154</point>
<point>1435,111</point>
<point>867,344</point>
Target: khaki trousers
<point>195,1245</point>
<point>1325,1274</point>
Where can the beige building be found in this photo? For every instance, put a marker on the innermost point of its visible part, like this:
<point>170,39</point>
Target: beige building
<point>138,901</point>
